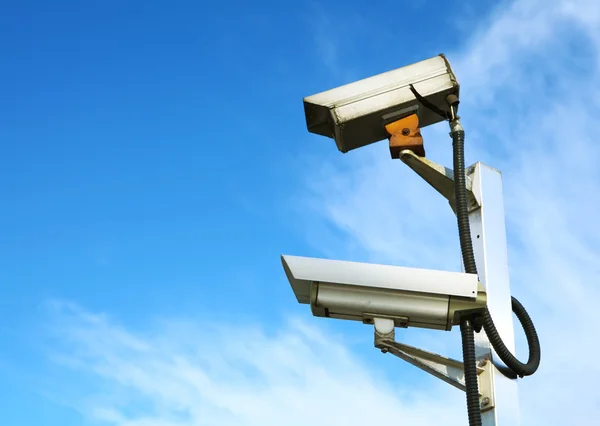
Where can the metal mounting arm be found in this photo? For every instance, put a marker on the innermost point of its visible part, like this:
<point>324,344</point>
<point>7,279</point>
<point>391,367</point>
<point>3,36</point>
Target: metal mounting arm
<point>449,370</point>
<point>439,177</point>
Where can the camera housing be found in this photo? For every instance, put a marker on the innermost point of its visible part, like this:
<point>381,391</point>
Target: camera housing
<point>356,114</point>
<point>411,297</point>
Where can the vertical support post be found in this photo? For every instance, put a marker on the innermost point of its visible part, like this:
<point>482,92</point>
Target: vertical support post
<point>488,233</point>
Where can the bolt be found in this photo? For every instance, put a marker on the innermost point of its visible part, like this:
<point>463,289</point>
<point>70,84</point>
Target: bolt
<point>384,350</point>
<point>405,132</point>
<point>485,401</point>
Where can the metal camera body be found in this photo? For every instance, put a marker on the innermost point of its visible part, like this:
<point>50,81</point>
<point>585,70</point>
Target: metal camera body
<point>355,114</point>
<point>411,297</point>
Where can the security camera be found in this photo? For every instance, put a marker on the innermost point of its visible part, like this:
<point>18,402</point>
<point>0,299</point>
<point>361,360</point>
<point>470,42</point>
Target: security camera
<point>411,297</point>
<point>356,114</point>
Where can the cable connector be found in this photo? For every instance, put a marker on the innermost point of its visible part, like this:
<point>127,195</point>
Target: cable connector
<point>454,119</point>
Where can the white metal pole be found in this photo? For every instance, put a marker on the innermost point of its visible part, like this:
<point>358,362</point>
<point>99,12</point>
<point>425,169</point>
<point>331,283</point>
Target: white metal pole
<point>488,233</point>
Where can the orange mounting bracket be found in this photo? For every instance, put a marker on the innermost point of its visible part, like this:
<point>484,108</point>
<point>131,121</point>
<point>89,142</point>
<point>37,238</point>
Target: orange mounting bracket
<point>405,134</point>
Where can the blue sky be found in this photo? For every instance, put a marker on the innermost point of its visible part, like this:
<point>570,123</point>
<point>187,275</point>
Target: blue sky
<point>155,164</point>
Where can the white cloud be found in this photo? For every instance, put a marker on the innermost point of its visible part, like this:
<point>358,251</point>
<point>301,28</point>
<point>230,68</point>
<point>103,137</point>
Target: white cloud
<point>203,374</point>
<point>529,104</point>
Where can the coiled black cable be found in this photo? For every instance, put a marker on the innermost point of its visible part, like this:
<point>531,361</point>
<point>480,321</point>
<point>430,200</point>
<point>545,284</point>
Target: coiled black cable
<point>464,232</point>
<point>460,197</point>
<point>504,353</point>
<point>466,245</point>
<point>470,367</point>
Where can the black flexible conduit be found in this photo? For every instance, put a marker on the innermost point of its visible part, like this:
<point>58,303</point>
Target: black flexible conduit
<point>504,353</point>
<point>470,367</point>
<point>466,326</point>
<point>466,245</point>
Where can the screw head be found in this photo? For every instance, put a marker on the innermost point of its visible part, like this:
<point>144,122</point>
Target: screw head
<point>485,401</point>
<point>384,350</point>
<point>405,132</point>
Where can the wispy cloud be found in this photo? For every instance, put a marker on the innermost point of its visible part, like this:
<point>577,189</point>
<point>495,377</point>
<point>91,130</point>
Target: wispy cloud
<point>529,103</point>
<point>186,373</point>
